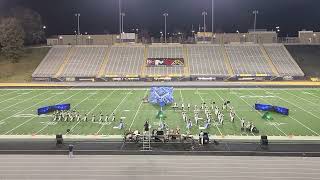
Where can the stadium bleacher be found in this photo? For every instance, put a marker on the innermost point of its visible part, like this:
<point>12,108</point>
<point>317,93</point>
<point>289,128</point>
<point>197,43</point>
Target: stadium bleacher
<point>248,59</point>
<point>283,61</point>
<point>98,61</point>
<point>206,60</point>
<point>85,61</point>
<point>125,60</point>
<point>50,65</point>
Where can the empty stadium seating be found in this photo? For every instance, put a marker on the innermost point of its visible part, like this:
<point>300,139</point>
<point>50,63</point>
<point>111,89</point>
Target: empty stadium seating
<point>162,51</point>
<point>200,60</point>
<point>206,60</point>
<point>282,60</point>
<point>85,61</point>
<point>125,60</point>
<point>248,59</point>
<point>52,62</point>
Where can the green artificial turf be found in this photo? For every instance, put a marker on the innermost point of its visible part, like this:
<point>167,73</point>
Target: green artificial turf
<point>18,110</point>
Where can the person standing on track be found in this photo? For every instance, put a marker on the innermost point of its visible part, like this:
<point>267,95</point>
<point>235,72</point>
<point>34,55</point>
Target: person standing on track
<point>71,150</point>
<point>146,126</point>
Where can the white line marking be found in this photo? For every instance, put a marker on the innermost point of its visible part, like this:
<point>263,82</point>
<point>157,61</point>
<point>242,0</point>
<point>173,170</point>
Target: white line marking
<point>235,113</point>
<point>72,175</point>
<point>299,107</point>
<point>107,97</point>
<point>203,101</point>
<point>22,101</point>
<point>28,119</point>
<point>181,96</point>
<point>137,111</point>
<point>22,111</point>
<point>169,171</point>
<point>295,118</point>
<point>301,98</point>
<point>115,110</point>
<point>273,124</point>
<point>11,98</point>
<point>250,107</point>
<point>59,102</point>
<point>312,95</point>
<point>8,93</point>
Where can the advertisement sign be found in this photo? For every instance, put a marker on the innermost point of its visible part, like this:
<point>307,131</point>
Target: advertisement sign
<point>165,62</point>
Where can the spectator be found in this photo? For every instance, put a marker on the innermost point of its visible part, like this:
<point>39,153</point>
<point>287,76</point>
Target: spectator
<point>201,137</point>
<point>146,126</point>
<point>121,124</point>
<point>71,151</point>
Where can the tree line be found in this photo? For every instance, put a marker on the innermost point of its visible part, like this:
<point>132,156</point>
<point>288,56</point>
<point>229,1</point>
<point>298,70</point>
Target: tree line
<point>19,27</point>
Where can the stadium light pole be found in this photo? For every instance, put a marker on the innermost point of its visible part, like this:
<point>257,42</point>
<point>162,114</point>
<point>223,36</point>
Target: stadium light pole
<point>165,26</point>
<point>204,13</point>
<point>212,19</point>
<point>255,12</point>
<point>78,31</point>
<point>122,20</point>
<point>78,19</point>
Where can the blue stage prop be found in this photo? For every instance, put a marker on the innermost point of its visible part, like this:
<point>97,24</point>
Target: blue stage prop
<point>48,109</point>
<point>281,110</point>
<point>161,96</point>
<point>268,107</point>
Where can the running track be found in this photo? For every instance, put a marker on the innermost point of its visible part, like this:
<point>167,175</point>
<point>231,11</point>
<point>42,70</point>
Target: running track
<point>156,167</point>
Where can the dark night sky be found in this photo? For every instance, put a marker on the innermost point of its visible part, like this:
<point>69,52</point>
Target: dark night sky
<point>98,16</point>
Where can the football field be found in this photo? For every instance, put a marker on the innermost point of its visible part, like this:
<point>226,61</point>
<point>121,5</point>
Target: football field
<point>18,109</point>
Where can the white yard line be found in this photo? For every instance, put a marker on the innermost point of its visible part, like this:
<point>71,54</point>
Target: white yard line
<point>203,101</point>
<point>104,99</point>
<point>30,118</point>
<point>304,125</point>
<point>251,107</point>
<point>137,110</point>
<point>23,110</point>
<point>299,107</point>
<point>301,98</point>
<point>235,113</point>
<point>181,96</point>
<point>261,114</point>
<point>58,103</point>
<point>115,110</point>
<point>295,118</point>
<point>313,94</point>
<point>22,101</point>
<point>8,93</point>
<point>12,98</point>
<point>200,95</point>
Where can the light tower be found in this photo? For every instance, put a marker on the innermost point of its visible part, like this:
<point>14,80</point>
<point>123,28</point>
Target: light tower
<point>255,12</point>
<point>204,13</point>
<point>78,29</point>
<point>122,21</point>
<point>212,19</point>
<point>165,26</point>
<point>120,26</point>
